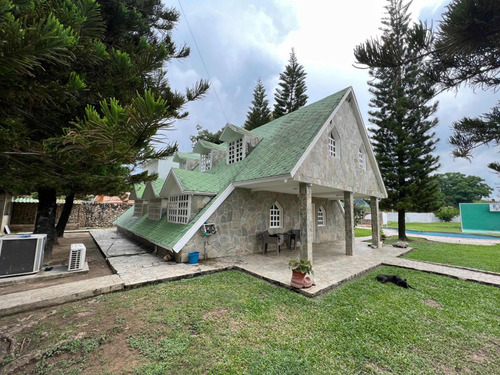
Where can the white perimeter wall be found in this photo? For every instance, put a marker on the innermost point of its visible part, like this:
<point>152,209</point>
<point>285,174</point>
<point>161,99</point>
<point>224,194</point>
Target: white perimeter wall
<point>418,217</point>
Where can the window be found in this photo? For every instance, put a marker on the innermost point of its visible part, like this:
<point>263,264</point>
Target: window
<point>235,151</point>
<point>361,158</point>
<point>140,207</point>
<point>205,162</point>
<point>275,216</point>
<point>178,208</point>
<point>154,212</point>
<point>334,144</point>
<point>321,217</point>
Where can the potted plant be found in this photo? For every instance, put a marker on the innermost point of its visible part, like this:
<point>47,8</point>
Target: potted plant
<point>300,267</point>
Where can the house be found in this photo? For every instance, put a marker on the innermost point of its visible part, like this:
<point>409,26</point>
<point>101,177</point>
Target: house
<point>301,171</point>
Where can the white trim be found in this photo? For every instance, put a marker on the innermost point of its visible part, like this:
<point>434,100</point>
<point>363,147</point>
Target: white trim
<point>319,134</point>
<point>196,226</point>
<point>278,212</point>
<point>261,180</point>
<point>323,216</point>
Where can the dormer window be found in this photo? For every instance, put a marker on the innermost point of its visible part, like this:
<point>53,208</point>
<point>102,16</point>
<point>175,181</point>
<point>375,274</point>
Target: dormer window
<point>178,208</point>
<point>235,152</point>
<point>205,162</point>
<point>334,144</point>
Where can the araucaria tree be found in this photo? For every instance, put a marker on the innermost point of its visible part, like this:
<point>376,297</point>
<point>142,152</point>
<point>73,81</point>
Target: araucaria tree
<point>59,61</point>
<point>292,92</point>
<point>259,113</point>
<point>402,135</point>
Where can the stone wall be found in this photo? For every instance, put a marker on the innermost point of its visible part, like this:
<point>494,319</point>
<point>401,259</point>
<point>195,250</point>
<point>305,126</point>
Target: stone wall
<point>245,214</point>
<point>85,215</point>
<point>341,172</point>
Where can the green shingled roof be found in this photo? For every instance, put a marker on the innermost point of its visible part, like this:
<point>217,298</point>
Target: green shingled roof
<point>139,189</point>
<point>284,141</point>
<point>187,155</point>
<point>158,184</point>
<point>211,145</point>
<point>197,181</point>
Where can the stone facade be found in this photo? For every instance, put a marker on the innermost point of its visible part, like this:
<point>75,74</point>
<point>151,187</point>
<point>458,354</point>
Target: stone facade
<point>86,215</point>
<point>245,214</point>
<point>341,172</point>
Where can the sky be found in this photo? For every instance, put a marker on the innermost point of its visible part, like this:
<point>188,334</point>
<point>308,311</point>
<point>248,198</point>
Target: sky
<point>237,42</point>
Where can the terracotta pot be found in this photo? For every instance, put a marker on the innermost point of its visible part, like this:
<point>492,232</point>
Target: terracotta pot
<point>297,279</point>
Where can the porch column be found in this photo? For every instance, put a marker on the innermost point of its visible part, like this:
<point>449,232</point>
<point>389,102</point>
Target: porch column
<point>306,220</point>
<point>349,222</point>
<point>375,222</point>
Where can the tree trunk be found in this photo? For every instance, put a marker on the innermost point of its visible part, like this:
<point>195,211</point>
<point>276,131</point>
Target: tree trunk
<point>402,225</point>
<point>63,219</point>
<point>46,218</point>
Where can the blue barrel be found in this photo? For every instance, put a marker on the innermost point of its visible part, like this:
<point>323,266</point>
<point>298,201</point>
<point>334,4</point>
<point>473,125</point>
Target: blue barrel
<point>193,257</point>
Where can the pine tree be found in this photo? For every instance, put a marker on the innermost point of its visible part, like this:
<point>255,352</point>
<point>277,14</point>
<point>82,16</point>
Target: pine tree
<point>402,138</point>
<point>259,113</point>
<point>292,94</point>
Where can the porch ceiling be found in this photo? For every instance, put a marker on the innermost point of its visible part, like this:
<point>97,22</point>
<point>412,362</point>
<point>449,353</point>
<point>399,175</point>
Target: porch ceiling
<point>290,186</point>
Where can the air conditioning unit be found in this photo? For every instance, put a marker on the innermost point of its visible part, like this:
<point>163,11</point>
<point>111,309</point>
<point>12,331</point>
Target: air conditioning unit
<point>76,257</point>
<point>21,254</point>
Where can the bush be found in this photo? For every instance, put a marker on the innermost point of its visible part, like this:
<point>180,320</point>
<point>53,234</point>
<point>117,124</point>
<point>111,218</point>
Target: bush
<point>446,213</point>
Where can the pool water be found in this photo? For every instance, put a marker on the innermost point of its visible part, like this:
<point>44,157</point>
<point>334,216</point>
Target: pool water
<point>446,234</point>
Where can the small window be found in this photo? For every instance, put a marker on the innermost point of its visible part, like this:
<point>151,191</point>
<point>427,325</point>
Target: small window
<point>205,162</point>
<point>361,158</point>
<point>321,217</point>
<point>178,208</point>
<point>334,144</point>
<point>154,211</point>
<point>138,208</point>
<point>275,216</point>
<point>235,151</point>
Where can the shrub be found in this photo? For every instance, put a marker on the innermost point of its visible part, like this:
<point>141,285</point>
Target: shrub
<point>446,213</point>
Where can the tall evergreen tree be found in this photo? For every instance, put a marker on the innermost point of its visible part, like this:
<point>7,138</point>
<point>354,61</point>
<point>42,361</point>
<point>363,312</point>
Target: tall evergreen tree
<point>402,137</point>
<point>259,113</point>
<point>292,94</point>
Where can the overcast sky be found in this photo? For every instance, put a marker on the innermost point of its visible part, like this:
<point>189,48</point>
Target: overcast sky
<point>241,41</point>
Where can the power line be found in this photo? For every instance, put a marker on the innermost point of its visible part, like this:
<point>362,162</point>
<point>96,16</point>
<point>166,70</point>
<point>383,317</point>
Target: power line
<point>202,61</point>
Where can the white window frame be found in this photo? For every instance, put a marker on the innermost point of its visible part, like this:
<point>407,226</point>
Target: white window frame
<point>334,144</point>
<point>235,151</point>
<point>205,162</point>
<point>155,209</point>
<point>179,208</point>
<point>321,217</point>
<point>276,216</point>
<point>361,157</point>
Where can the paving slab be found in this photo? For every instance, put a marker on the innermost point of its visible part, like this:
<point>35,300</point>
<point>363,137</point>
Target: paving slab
<point>59,294</point>
<point>115,244</point>
<point>55,273</point>
<point>489,278</point>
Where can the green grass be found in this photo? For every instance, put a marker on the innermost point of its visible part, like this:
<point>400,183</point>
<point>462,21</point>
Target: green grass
<point>232,323</point>
<point>362,232</point>
<point>430,227</point>
<point>472,256</point>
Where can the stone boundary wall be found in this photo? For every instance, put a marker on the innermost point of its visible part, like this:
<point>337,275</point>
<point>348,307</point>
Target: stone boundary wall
<point>84,215</point>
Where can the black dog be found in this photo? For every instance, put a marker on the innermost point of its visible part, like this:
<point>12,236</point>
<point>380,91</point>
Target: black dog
<point>395,280</point>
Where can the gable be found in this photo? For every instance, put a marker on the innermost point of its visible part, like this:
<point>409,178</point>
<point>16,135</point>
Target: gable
<point>343,172</point>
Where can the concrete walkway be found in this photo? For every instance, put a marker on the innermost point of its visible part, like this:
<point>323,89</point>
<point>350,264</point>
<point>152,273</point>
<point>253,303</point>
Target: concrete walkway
<point>467,274</point>
<point>135,267</point>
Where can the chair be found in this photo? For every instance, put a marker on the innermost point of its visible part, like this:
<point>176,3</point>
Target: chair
<point>294,236</point>
<point>272,239</point>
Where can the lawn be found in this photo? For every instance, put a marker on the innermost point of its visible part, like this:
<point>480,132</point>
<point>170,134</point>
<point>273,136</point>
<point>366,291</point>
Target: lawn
<point>473,256</point>
<point>430,227</point>
<point>232,323</point>
<point>362,232</point>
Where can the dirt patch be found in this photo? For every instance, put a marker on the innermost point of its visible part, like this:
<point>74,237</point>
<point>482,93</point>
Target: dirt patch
<point>378,369</point>
<point>96,261</point>
<point>433,303</point>
<point>479,356</point>
<point>214,313</point>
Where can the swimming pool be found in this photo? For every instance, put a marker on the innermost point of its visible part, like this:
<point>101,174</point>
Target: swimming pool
<point>446,234</point>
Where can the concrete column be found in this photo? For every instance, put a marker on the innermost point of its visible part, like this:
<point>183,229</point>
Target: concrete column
<point>375,222</point>
<point>349,222</point>
<point>306,220</point>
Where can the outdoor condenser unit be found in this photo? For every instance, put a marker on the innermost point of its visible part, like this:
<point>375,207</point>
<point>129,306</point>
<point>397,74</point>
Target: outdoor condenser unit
<point>21,254</point>
<point>76,257</point>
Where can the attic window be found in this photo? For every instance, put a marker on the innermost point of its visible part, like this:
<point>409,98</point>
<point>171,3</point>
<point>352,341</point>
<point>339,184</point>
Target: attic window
<point>361,158</point>
<point>275,216</point>
<point>321,217</point>
<point>235,151</point>
<point>334,144</point>
<point>205,162</point>
<point>178,208</point>
<point>140,207</point>
<point>154,212</point>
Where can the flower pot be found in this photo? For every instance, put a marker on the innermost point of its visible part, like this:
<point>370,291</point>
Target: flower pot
<point>300,280</point>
